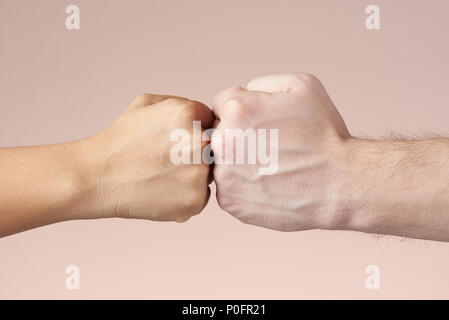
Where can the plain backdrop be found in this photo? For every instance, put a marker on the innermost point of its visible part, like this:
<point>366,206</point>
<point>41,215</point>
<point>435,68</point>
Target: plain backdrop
<point>58,85</point>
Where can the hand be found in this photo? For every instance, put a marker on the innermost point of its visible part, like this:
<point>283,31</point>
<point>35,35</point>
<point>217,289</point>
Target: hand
<point>302,193</point>
<point>327,179</point>
<point>127,169</point>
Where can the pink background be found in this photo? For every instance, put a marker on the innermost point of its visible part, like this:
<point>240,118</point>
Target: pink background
<point>58,85</point>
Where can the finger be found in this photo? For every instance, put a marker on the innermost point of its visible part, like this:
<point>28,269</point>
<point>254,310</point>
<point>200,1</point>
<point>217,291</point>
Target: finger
<point>210,178</point>
<point>215,123</point>
<point>193,110</point>
<point>276,83</point>
<point>207,196</point>
<point>202,113</point>
<point>205,201</point>
<point>206,151</point>
<point>147,99</point>
<point>222,97</point>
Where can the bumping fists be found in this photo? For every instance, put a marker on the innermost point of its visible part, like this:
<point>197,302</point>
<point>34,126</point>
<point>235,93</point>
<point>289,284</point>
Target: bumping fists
<point>278,151</point>
<point>274,148</point>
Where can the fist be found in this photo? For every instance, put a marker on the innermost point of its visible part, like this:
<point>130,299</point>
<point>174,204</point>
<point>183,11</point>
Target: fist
<point>302,192</point>
<point>128,168</point>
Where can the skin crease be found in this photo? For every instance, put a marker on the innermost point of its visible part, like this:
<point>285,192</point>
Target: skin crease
<point>124,171</point>
<point>326,178</point>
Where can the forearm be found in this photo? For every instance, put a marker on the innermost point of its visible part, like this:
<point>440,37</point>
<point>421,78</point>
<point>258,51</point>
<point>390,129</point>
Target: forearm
<point>397,187</point>
<point>39,186</point>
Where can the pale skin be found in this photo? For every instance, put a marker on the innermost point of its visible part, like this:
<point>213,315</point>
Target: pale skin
<point>326,179</point>
<point>124,171</point>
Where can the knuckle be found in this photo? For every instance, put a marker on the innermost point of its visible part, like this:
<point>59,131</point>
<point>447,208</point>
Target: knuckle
<point>223,201</point>
<point>227,204</point>
<point>181,218</point>
<point>221,174</point>
<point>189,110</point>
<point>174,101</point>
<point>305,82</point>
<point>143,99</point>
<point>225,94</point>
<point>237,108</point>
<point>242,218</point>
<point>307,77</point>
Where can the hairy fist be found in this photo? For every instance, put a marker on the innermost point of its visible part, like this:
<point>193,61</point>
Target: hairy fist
<point>301,193</point>
<point>128,170</point>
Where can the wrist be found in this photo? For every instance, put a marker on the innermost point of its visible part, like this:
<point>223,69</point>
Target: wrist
<point>359,173</point>
<point>392,186</point>
<point>340,207</point>
<point>367,189</point>
<point>86,201</point>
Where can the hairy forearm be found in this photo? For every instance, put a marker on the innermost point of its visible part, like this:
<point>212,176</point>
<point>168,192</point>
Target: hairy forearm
<point>38,186</point>
<point>397,187</point>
